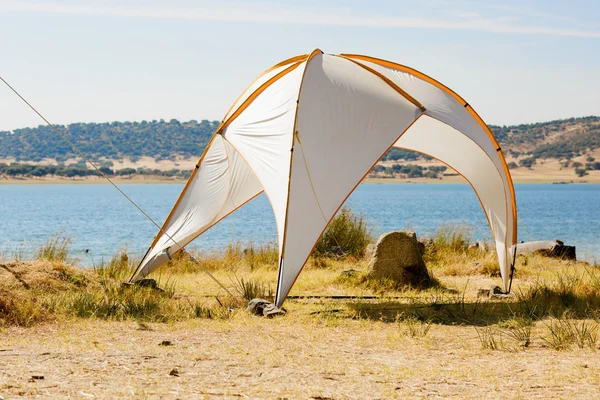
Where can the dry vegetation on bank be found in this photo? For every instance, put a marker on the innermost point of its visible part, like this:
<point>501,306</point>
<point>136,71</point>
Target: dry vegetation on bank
<point>91,337</point>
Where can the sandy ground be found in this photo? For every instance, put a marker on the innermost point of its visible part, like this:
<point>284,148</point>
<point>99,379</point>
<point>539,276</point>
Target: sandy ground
<point>250,357</point>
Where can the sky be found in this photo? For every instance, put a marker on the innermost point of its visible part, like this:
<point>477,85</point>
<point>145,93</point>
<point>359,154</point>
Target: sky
<point>101,61</point>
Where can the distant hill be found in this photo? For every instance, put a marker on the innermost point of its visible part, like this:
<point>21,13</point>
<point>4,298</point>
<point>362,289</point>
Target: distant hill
<point>561,139</point>
<point>114,140</point>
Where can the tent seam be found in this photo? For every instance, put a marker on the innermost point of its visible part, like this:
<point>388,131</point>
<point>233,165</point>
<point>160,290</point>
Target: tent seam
<point>287,203</point>
<point>397,88</point>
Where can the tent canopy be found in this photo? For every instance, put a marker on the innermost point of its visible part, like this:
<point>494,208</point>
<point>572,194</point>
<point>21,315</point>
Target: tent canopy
<point>308,130</point>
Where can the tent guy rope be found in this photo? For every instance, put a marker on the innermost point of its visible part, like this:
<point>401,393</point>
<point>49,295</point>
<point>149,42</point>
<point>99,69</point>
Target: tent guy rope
<point>58,132</point>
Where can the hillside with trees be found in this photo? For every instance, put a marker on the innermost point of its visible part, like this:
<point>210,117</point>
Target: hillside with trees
<point>114,140</point>
<point>574,142</point>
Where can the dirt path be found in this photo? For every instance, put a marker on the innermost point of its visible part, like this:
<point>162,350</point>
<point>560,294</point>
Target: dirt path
<point>249,357</point>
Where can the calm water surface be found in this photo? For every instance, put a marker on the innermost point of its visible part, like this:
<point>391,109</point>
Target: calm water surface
<point>98,218</point>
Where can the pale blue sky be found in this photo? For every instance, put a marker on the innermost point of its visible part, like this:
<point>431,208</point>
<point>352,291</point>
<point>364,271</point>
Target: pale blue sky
<point>98,61</point>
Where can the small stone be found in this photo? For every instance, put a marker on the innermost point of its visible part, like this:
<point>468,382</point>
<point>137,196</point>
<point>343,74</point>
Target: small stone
<point>37,377</point>
<point>174,372</point>
<point>147,282</point>
<point>256,306</point>
<point>166,343</point>
<point>143,327</point>
<point>271,311</point>
<point>265,308</point>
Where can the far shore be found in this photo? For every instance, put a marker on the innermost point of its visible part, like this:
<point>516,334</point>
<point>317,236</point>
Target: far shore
<point>543,172</point>
<point>533,179</point>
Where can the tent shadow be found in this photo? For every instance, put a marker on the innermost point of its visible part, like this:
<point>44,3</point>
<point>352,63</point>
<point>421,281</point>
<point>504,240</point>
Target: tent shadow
<point>455,312</point>
<point>480,312</point>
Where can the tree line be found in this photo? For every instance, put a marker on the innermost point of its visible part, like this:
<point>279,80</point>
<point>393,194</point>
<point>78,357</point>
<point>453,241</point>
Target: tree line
<point>19,170</point>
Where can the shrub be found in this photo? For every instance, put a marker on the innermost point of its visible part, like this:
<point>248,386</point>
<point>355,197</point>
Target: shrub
<point>581,172</point>
<point>512,165</point>
<point>346,235</point>
<point>527,162</point>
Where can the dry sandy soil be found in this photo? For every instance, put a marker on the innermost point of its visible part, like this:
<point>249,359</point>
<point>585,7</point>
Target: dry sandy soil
<point>250,357</point>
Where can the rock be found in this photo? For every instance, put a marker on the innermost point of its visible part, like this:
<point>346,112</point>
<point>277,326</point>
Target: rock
<point>548,248</point>
<point>256,306</point>
<point>423,244</point>
<point>398,257</point>
<point>479,245</point>
<point>271,311</point>
<point>147,282</point>
<point>166,343</point>
<point>36,378</point>
<point>264,308</point>
<point>174,372</point>
<point>563,251</point>
<point>370,251</point>
<point>494,291</point>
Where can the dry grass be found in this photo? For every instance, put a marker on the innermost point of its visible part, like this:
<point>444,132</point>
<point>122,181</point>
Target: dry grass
<point>89,335</point>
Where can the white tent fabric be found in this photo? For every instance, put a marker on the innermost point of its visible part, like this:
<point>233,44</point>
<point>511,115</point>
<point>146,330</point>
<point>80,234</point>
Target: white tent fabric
<point>220,184</point>
<point>308,130</point>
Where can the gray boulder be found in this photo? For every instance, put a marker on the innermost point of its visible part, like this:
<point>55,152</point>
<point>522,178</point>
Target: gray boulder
<point>264,308</point>
<point>399,256</point>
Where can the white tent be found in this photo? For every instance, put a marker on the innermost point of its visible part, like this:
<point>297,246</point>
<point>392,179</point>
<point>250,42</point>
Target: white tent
<point>308,130</point>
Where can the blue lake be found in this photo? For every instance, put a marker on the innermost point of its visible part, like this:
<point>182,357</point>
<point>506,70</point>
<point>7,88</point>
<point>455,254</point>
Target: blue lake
<point>100,219</point>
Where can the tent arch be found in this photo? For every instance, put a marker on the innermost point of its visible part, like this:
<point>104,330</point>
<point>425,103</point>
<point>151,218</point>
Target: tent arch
<point>465,104</point>
<point>290,134</point>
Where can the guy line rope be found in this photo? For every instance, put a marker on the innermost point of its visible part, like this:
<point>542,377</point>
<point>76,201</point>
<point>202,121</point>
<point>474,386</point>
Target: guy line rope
<point>113,184</point>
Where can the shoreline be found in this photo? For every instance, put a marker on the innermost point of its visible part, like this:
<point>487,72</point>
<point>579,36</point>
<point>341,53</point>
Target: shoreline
<point>370,181</point>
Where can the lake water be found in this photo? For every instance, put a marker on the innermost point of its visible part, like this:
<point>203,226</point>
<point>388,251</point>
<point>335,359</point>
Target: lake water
<point>98,218</point>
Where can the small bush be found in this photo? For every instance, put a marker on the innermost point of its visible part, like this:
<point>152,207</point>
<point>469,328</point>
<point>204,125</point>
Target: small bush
<point>347,235</point>
<point>23,312</point>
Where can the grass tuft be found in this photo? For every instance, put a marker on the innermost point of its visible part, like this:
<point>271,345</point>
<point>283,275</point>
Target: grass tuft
<point>490,338</point>
<point>564,332</point>
<point>413,327</point>
<point>253,288</point>
<point>55,249</point>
